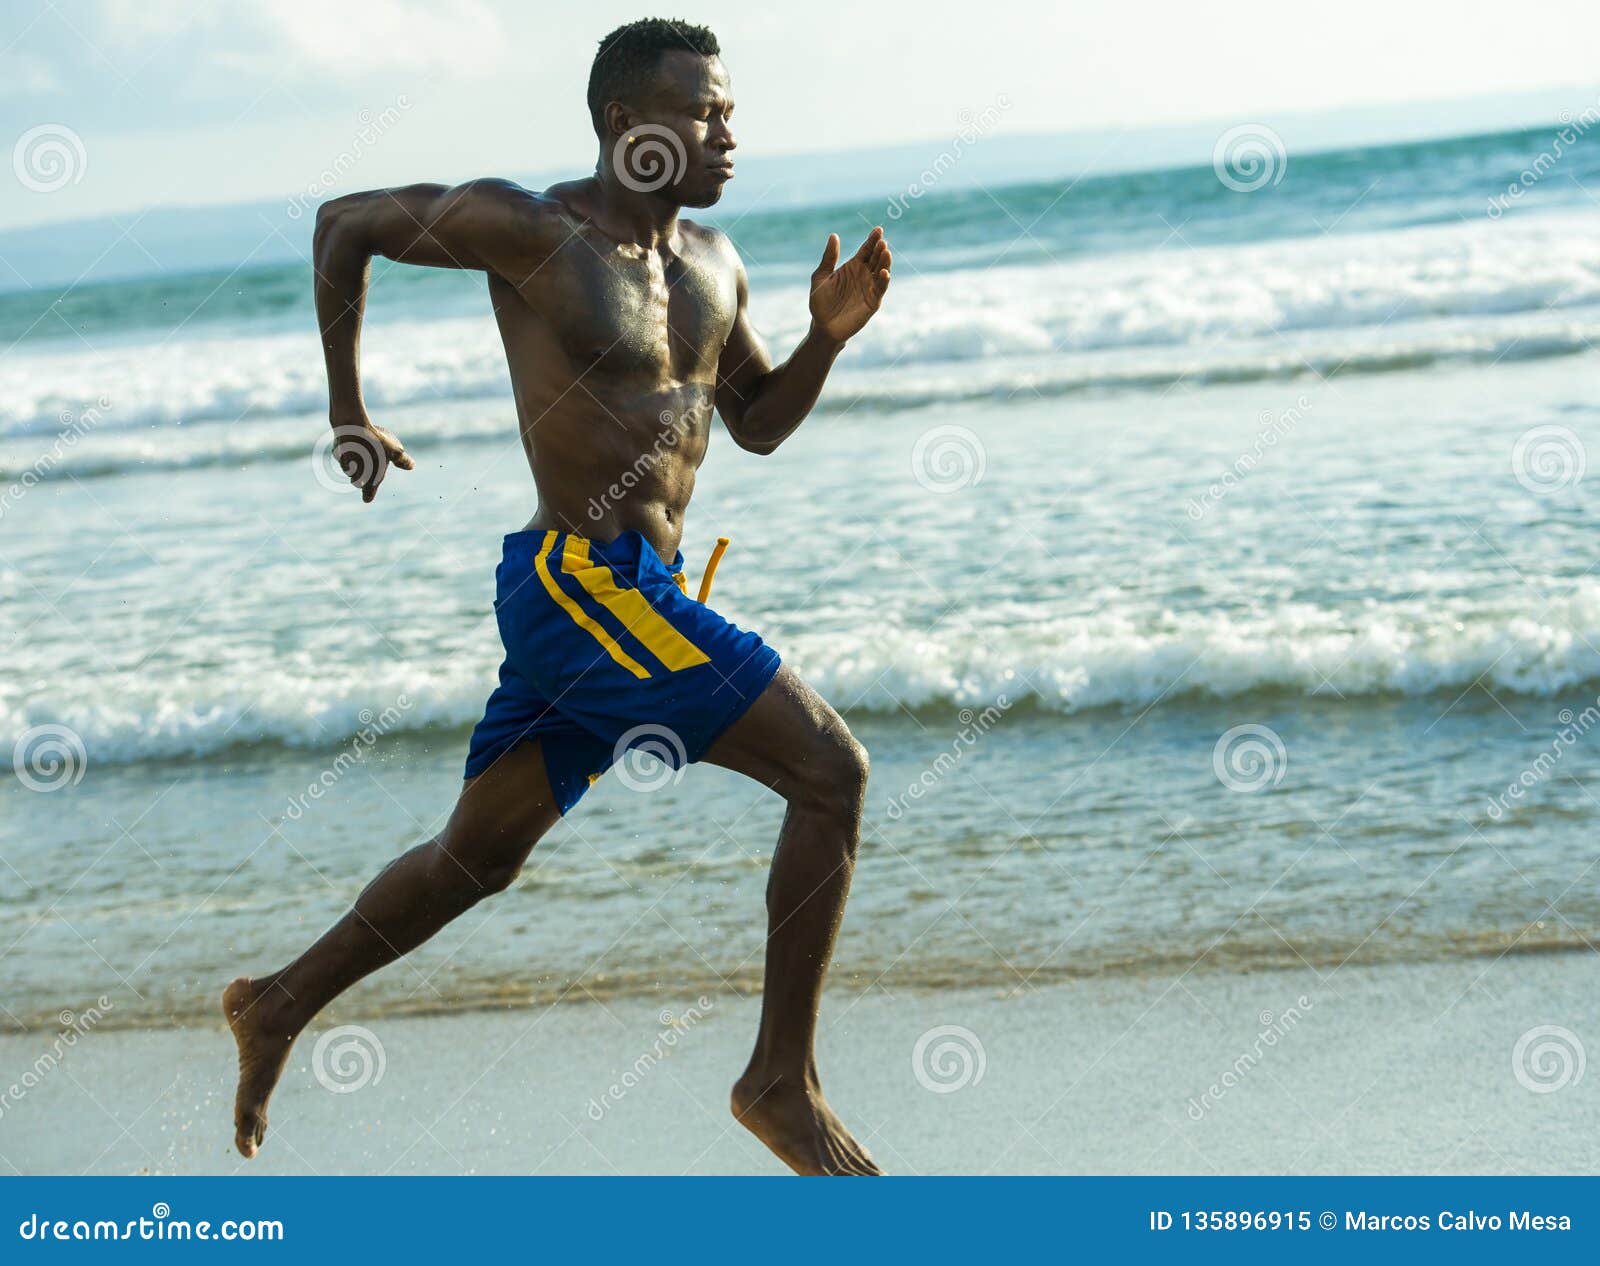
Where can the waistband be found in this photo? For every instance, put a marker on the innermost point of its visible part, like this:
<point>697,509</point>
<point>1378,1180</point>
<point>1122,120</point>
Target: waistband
<point>625,552</point>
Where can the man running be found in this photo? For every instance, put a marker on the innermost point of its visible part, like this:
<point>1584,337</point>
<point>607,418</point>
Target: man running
<point>623,327</point>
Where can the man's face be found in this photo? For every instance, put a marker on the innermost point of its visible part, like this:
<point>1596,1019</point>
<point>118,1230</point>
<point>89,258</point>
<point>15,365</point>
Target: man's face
<point>681,140</point>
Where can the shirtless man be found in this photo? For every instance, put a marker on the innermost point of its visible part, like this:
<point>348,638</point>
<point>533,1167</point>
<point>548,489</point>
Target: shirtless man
<point>623,326</point>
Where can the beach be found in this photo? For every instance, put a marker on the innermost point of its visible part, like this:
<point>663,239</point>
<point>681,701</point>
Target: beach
<point>1398,1069</point>
<point>1220,612</point>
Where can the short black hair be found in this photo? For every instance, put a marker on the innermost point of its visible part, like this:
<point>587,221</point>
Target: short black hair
<point>628,57</point>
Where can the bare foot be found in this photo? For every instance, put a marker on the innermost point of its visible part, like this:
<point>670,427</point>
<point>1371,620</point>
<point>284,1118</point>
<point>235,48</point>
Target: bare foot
<point>798,1126</point>
<point>262,1055</point>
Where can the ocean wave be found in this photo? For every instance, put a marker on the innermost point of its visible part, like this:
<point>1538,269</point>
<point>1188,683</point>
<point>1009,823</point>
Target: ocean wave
<point>1371,302</point>
<point>1065,665</point>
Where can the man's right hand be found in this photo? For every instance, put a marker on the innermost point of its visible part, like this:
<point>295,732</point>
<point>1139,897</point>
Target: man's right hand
<point>365,451</point>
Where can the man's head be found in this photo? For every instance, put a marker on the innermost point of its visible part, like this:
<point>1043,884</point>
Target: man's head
<point>659,98</point>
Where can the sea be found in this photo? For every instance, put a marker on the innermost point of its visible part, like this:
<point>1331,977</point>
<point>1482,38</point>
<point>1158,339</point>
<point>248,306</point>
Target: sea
<point>1206,557</point>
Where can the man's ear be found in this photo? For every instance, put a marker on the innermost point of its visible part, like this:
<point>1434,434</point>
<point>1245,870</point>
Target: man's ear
<point>618,120</point>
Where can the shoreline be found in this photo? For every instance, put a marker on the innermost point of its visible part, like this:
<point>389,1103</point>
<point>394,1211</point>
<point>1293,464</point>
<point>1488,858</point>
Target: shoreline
<point>1400,1068</point>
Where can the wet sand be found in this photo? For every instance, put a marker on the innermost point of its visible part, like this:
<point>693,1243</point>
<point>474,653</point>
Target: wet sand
<point>1396,1069</point>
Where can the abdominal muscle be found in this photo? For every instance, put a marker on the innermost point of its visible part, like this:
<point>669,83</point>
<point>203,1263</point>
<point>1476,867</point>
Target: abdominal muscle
<point>602,470</point>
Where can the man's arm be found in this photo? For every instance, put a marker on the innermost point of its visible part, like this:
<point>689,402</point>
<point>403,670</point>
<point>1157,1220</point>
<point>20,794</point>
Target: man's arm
<point>489,225</point>
<point>762,405</point>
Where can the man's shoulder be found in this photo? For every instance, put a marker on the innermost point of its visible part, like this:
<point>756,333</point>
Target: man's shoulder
<point>710,240</point>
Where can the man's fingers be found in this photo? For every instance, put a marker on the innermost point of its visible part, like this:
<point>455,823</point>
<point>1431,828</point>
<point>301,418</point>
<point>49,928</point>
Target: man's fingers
<point>401,458</point>
<point>864,252</point>
<point>830,255</point>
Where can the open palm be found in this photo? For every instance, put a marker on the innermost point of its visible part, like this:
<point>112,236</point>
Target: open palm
<point>844,299</point>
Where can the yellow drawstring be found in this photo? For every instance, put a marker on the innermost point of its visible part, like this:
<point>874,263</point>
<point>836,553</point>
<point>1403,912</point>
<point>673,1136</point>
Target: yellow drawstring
<point>711,568</point>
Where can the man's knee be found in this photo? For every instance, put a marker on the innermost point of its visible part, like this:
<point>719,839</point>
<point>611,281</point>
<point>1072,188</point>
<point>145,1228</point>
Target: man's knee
<point>833,777</point>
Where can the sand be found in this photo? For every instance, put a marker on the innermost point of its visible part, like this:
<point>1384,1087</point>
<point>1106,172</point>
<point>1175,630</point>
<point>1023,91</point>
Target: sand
<point>1387,1069</point>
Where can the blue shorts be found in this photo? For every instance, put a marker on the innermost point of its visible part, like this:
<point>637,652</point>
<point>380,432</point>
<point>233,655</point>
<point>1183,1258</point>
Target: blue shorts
<point>605,651</point>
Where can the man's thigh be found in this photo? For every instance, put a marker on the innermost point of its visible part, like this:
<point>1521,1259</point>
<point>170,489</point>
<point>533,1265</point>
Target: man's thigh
<point>788,737</point>
<point>503,811</point>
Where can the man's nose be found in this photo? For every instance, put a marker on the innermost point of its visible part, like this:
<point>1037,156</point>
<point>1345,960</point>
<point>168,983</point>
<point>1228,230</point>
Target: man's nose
<point>722,138</point>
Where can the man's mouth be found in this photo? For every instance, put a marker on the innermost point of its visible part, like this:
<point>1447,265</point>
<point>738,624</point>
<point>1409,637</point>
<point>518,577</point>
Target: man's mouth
<point>724,170</point>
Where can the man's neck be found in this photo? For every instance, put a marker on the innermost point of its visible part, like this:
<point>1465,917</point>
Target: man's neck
<point>629,215</point>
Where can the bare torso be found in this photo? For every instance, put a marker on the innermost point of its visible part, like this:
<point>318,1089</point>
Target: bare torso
<point>613,350</point>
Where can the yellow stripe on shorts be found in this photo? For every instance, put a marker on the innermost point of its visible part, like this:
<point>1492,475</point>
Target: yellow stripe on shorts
<point>577,613</point>
<point>654,632</point>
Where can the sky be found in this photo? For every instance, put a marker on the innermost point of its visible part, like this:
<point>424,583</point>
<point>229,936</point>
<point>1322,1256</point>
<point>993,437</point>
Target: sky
<point>166,102</point>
